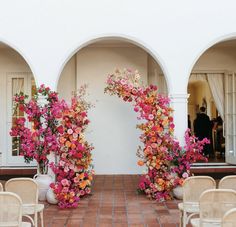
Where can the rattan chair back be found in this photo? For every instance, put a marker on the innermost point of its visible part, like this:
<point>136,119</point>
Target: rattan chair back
<point>214,204</point>
<point>26,188</point>
<point>229,219</point>
<point>228,182</point>
<point>194,186</point>
<point>10,209</point>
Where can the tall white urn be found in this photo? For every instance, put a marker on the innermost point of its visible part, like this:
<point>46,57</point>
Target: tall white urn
<point>43,181</point>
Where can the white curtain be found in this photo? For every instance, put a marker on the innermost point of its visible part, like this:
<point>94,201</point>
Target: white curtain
<point>215,81</point>
<point>17,86</point>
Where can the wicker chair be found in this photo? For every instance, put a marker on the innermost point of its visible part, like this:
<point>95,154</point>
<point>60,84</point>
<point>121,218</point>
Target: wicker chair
<point>11,210</point>
<point>213,205</point>
<point>27,189</point>
<point>228,182</point>
<point>229,219</point>
<point>192,189</point>
<point>1,187</point>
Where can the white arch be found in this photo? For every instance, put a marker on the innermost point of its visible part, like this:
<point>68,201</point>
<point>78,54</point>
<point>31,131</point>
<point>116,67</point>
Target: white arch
<point>18,50</point>
<point>114,36</point>
<point>206,47</point>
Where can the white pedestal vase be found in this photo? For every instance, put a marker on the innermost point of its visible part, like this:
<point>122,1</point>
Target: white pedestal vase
<point>51,198</point>
<point>43,181</point>
<point>178,192</point>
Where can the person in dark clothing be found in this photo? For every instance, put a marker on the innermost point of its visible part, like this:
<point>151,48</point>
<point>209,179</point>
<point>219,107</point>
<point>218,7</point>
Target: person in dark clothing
<point>189,122</point>
<point>220,140</point>
<point>202,129</point>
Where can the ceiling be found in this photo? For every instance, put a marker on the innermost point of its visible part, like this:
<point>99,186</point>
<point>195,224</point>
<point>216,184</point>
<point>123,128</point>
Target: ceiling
<point>228,44</point>
<point>112,43</point>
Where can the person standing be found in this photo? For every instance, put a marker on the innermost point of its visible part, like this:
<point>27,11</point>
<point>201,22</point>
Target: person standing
<point>202,129</point>
<point>189,122</point>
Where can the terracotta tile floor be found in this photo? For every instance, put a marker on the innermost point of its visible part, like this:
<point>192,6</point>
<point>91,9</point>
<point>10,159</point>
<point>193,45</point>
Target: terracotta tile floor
<point>114,203</point>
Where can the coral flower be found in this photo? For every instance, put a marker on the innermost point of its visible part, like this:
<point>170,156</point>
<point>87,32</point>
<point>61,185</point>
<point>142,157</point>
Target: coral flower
<point>68,144</point>
<point>83,184</point>
<point>73,146</point>
<point>62,140</point>
<point>140,163</point>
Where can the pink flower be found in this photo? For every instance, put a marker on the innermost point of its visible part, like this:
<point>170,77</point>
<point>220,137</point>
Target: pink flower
<point>150,117</point>
<point>70,131</point>
<point>75,135</point>
<point>82,192</point>
<point>65,182</point>
<point>122,81</point>
<point>185,175</point>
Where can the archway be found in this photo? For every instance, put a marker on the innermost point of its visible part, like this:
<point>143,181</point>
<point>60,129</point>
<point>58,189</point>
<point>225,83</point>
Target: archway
<point>113,122</point>
<point>212,84</point>
<point>15,76</point>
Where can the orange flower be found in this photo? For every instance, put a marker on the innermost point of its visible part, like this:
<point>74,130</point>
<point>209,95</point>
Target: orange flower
<point>68,144</point>
<point>153,139</point>
<point>181,181</point>
<point>62,140</point>
<point>83,184</point>
<point>140,163</point>
<point>81,176</point>
<point>152,133</point>
<point>160,181</point>
<point>73,146</point>
<point>159,129</point>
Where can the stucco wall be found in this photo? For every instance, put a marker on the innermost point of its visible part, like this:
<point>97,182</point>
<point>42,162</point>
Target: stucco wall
<point>48,32</point>
<point>113,123</point>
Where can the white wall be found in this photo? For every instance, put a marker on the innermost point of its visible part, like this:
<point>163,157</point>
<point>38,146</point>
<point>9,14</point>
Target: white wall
<point>10,61</point>
<point>113,122</point>
<point>48,32</point>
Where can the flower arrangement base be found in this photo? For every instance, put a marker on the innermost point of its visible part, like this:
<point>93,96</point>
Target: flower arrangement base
<point>178,192</point>
<point>43,181</point>
<point>51,198</point>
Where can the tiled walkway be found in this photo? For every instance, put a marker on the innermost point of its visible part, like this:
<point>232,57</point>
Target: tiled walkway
<point>115,203</point>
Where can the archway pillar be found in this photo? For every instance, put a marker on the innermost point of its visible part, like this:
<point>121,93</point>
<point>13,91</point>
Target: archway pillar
<point>179,102</point>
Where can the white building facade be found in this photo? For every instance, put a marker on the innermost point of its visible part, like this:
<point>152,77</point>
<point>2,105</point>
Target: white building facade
<point>64,44</point>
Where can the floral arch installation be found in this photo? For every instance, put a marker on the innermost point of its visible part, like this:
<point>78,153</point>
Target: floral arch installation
<point>167,163</point>
<point>59,128</point>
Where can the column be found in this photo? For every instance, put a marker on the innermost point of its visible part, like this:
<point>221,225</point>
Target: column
<point>179,104</point>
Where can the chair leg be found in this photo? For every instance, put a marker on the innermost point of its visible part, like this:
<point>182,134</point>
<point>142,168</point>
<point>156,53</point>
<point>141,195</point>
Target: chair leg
<point>184,218</point>
<point>181,219</point>
<point>36,219</point>
<point>41,218</point>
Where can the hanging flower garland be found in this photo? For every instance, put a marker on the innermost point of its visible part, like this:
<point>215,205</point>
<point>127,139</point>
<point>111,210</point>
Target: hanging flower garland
<point>74,172</point>
<point>161,151</point>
